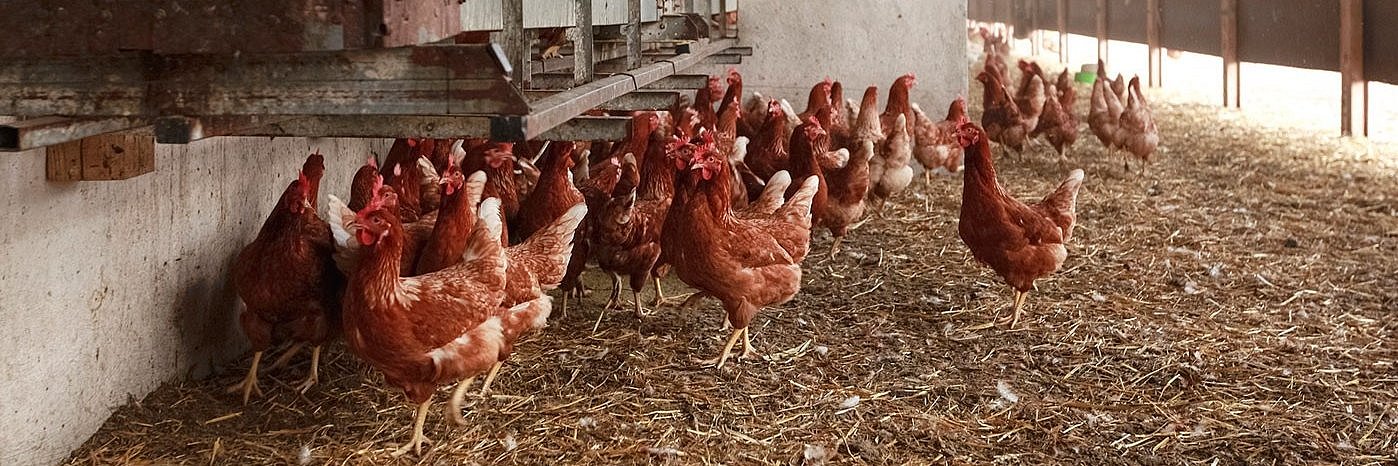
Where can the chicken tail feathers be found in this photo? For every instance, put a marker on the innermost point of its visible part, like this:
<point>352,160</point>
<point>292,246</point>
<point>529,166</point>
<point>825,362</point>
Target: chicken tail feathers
<point>1061,204</point>
<point>528,315</point>
<point>772,195</point>
<point>474,187</point>
<point>485,239</point>
<point>552,247</point>
<point>800,203</point>
<point>342,229</point>
<point>740,149</point>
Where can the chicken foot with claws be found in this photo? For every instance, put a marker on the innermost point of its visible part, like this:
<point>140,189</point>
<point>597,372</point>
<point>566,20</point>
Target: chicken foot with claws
<point>249,383</point>
<point>415,444</point>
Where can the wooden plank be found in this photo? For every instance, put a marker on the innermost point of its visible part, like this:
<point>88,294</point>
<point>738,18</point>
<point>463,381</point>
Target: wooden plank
<point>589,128</point>
<point>184,130</point>
<point>634,100</point>
<point>415,80</point>
<point>583,48</point>
<point>1153,43</point>
<point>112,156</point>
<point>633,34</point>
<point>1354,88</point>
<point>1228,23</point>
<point>1062,31</point>
<point>515,39</point>
<point>376,126</point>
<point>48,131</point>
<point>1102,30</point>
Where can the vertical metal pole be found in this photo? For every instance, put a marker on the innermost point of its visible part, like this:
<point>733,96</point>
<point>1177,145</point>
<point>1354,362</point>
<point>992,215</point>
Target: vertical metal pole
<point>1102,30</point>
<point>1153,43</point>
<point>1009,22</point>
<point>1228,21</point>
<point>1063,31</point>
<point>582,43</point>
<point>516,41</point>
<point>1354,89</point>
<point>1037,34</point>
<point>633,34</point>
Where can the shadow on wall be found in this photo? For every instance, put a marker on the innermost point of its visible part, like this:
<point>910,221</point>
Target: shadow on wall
<point>206,316</point>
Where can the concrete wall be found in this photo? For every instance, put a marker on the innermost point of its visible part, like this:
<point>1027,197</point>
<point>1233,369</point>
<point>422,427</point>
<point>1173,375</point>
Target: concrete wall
<point>108,289</point>
<point>860,43</point>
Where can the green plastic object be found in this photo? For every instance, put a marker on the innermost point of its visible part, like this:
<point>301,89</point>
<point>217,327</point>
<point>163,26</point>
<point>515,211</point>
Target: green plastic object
<point>1085,77</point>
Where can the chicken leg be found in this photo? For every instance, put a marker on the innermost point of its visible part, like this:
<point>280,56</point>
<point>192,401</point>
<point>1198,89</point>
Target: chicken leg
<point>748,351</point>
<point>614,301</point>
<point>660,299</point>
<point>454,404</point>
<point>314,376</point>
<point>723,357</point>
<point>490,377</point>
<point>1020,297</point>
<point>835,246</point>
<point>286,356</point>
<point>636,301</point>
<point>415,444</point>
<point>249,383</point>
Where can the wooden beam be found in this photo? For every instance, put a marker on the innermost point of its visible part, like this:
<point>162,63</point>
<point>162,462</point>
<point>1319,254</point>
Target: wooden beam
<point>48,131</point>
<point>184,130</point>
<point>723,25</point>
<point>633,34</point>
<point>111,156</point>
<point>1354,88</point>
<point>1102,40</point>
<point>583,59</point>
<point>590,128</point>
<point>1153,43</point>
<point>679,82</point>
<point>1228,21</point>
<point>515,38</point>
<point>431,79</point>
<point>376,126</point>
<point>634,100</point>
<point>1063,31</point>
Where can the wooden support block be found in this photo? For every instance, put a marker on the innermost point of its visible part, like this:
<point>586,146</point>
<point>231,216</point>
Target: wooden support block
<point>1102,30</point>
<point>1063,31</point>
<point>1228,22</point>
<point>1354,88</point>
<point>1153,56</point>
<point>112,156</point>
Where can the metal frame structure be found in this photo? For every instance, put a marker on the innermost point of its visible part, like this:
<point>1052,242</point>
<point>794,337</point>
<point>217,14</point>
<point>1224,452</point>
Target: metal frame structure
<point>440,89</point>
<point>1357,38</point>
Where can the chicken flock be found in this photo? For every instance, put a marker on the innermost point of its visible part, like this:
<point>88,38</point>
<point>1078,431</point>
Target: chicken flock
<point>443,257</point>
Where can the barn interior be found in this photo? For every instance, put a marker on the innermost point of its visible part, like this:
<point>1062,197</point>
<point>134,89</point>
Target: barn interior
<point>1228,298</point>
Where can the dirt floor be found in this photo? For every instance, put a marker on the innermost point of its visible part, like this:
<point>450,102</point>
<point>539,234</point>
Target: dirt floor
<point>1236,305</point>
